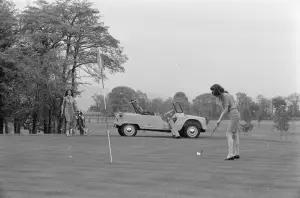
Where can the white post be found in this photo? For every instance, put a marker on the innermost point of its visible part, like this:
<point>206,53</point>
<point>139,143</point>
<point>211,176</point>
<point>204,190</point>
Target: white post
<point>100,64</point>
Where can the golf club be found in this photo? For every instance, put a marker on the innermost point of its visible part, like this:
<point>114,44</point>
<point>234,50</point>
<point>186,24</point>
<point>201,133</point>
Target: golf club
<point>199,153</point>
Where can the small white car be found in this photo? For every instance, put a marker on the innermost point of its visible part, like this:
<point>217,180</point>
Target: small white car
<point>128,124</point>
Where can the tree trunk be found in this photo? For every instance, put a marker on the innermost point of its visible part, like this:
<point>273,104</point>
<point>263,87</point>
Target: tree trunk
<point>56,125</point>
<point>74,71</point>
<point>1,124</point>
<point>6,126</point>
<point>50,120</point>
<point>73,78</point>
<point>65,64</point>
<point>17,126</point>
<point>46,120</point>
<point>34,123</point>
<point>61,129</point>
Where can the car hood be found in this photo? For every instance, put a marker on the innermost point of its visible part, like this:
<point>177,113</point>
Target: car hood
<point>125,113</point>
<point>196,117</point>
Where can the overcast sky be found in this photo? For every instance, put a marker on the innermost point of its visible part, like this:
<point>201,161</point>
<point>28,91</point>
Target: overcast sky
<point>188,45</point>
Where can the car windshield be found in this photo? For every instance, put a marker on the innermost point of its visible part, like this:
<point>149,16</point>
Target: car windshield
<point>177,107</point>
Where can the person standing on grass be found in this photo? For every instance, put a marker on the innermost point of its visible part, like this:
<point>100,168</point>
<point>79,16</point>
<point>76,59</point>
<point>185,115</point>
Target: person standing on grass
<point>226,101</point>
<point>68,110</point>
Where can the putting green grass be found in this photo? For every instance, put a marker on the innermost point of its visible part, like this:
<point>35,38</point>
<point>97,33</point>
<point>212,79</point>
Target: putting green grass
<point>150,165</point>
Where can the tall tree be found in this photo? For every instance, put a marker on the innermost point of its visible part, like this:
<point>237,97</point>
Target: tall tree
<point>143,100</point>
<point>119,98</point>
<point>40,25</point>
<point>246,107</point>
<point>265,107</point>
<point>8,30</point>
<point>54,40</point>
<point>84,33</point>
<point>294,99</point>
<point>281,118</point>
<point>98,105</point>
<point>204,104</point>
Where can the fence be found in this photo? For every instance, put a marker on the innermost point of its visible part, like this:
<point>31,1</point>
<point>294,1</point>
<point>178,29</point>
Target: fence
<point>98,119</point>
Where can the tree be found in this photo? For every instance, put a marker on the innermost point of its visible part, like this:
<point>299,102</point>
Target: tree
<point>143,100</point>
<point>40,60</point>
<point>265,107</point>
<point>244,106</point>
<point>8,30</point>
<point>204,105</point>
<point>294,99</point>
<point>98,105</point>
<point>83,34</point>
<point>281,118</point>
<point>41,44</point>
<point>119,99</point>
<point>248,109</point>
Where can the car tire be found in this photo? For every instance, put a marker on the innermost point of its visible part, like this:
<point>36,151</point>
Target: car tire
<point>120,131</point>
<point>192,129</point>
<point>129,130</point>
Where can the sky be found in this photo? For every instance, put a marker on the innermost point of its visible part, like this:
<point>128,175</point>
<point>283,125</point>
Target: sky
<point>250,46</point>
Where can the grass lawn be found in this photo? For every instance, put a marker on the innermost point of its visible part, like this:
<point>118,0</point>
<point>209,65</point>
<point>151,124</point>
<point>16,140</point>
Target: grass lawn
<point>150,165</point>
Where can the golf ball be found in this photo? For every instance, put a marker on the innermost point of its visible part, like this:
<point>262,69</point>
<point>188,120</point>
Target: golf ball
<point>198,153</point>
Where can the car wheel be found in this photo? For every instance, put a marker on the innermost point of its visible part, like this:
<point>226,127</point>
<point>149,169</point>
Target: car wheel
<point>120,131</point>
<point>192,129</point>
<point>129,130</point>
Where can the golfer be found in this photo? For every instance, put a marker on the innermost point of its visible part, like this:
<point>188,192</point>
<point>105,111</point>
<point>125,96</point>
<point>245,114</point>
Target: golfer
<point>68,109</point>
<point>226,101</point>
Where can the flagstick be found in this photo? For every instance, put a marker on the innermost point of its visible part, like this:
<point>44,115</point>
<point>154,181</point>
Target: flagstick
<point>106,118</point>
<point>107,131</point>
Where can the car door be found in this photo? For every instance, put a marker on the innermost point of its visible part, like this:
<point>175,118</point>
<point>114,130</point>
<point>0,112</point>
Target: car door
<point>152,122</point>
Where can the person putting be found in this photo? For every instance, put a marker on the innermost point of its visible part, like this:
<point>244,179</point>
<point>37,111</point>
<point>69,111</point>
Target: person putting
<point>227,103</point>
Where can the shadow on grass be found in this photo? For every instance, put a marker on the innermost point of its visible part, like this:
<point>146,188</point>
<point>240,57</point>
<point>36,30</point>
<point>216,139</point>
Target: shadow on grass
<point>2,194</point>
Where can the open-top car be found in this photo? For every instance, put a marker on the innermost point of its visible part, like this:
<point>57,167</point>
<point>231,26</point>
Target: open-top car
<point>128,124</point>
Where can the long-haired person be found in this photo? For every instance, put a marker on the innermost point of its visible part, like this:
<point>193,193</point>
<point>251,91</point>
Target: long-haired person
<point>226,101</point>
<point>68,109</point>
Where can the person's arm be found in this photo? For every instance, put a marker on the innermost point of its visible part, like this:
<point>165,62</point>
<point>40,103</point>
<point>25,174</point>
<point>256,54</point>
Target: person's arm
<point>225,110</point>
<point>75,106</point>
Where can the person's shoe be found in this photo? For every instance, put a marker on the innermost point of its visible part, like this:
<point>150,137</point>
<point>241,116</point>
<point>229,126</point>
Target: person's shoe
<point>236,156</point>
<point>177,137</point>
<point>229,158</point>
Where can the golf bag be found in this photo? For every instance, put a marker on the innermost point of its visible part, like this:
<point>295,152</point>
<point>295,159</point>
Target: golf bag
<point>80,123</point>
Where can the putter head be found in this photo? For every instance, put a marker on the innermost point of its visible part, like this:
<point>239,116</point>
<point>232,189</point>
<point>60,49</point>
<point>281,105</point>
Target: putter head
<point>199,153</point>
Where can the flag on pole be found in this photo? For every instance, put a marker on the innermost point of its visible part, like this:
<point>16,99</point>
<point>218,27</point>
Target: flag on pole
<point>99,59</point>
<point>100,65</point>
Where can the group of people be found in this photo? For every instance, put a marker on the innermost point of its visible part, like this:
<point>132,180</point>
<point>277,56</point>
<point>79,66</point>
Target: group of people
<point>73,117</point>
<point>224,100</point>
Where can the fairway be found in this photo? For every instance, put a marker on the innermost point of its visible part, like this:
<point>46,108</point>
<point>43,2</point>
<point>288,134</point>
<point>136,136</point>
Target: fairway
<point>150,165</point>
